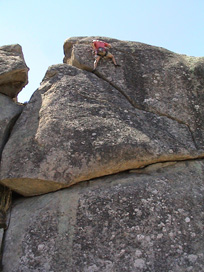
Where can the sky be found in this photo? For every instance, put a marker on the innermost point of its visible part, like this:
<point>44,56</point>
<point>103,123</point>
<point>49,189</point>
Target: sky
<point>42,26</point>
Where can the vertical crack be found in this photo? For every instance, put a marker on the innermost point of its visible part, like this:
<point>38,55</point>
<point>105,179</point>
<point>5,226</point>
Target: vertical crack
<point>7,133</point>
<point>116,87</point>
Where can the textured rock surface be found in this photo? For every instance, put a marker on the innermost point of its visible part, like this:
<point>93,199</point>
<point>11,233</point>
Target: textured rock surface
<point>13,70</point>
<point>9,112</point>
<point>152,78</point>
<point>150,220</point>
<point>13,77</point>
<point>77,126</point>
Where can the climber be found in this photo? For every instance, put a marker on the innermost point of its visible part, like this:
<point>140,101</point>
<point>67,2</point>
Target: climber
<point>101,50</point>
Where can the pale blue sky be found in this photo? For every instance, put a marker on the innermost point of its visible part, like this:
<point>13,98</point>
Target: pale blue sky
<point>42,26</point>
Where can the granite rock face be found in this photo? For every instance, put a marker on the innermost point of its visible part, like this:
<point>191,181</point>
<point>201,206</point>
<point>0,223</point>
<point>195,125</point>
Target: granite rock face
<point>13,77</point>
<point>127,141</point>
<point>9,112</point>
<point>77,127</point>
<point>152,79</point>
<point>81,125</point>
<point>13,70</point>
<point>150,220</point>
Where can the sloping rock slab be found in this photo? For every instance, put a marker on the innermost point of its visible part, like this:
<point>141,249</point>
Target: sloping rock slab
<point>13,70</point>
<point>152,78</point>
<point>77,127</point>
<point>9,112</point>
<point>125,222</point>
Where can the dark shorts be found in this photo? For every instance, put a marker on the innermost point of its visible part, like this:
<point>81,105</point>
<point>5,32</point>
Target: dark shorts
<point>102,52</point>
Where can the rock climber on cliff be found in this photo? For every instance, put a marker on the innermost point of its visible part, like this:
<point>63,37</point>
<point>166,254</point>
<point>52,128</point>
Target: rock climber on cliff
<point>101,50</point>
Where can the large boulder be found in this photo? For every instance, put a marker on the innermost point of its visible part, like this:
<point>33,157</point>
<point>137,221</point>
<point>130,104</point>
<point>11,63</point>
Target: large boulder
<point>148,220</point>
<point>141,124</point>
<point>77,126</point>
<point>13,70</point>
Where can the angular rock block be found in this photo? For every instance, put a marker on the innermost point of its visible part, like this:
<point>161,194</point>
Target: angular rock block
<point>13,70</point>
<point>77,127</point>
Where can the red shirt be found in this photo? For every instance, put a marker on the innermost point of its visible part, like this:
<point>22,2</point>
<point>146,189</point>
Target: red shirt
<point>98,44</point>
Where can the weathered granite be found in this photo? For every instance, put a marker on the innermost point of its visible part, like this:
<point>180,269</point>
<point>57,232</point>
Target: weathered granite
<point>77,127</point>
<point>151,220</point>
<point>152,78</point>
<point>9,112</point>
<point>13,70</point>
